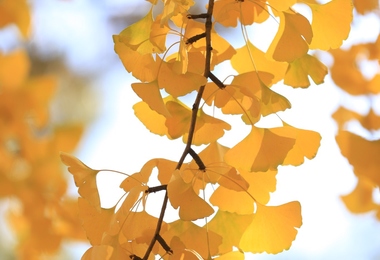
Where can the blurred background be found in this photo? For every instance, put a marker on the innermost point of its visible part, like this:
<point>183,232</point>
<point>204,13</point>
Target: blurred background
<point>63,88</point>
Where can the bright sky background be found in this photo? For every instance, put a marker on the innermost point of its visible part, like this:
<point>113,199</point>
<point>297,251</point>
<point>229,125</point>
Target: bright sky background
<point>81,29</point>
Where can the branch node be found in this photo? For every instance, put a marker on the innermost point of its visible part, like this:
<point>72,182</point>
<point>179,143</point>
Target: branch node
<point>164,245</point>
<point>156,188</point>
<point>197,159</point>
<point>195,38</point>
<point>216,81</point>
<point>197,16</point>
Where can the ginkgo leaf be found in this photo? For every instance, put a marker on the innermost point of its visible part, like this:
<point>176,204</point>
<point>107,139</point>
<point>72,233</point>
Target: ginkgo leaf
<point>261,150</point>
<point>343,115</point>
<point>152,120</point>
<point>139,226</point>
<point>95,222</point>
<point>299,70</point>
<point>142,66</point>
<point>137,36</point>
<point>234,255</point>
<point>85,179</point>
<point>233,180</point>
<point>232,232</point>
<point>15,12</point>
<point>371,121</point>
<point>150,94</point>
<point>98,252</point>
<point>172,8</point>
<point>273,228</point>
<point>292,38</point>
<point>228,12</point>
<point>306,145</point>
<point>360,200</point>
<point>331,23</point>
<point>207,241</point>
<point>182,195</point>
<point>249,58</point>
<point>261,184</point>
<point>178,84</point>
<point>179,250</point>
<point>366,165</point>
<point>212,157</point>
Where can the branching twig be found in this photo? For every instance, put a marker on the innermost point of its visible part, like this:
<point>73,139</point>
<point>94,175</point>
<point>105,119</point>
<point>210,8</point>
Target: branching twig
<point>187,150</point>
<point>197,159</point>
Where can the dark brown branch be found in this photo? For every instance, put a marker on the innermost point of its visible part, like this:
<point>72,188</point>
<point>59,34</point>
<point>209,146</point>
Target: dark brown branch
<point>163,243</point>
<point>156,188</point>
<point>197,16</point>
<point>195,38</point>
<point>197,159</point>
<point>216,81</point>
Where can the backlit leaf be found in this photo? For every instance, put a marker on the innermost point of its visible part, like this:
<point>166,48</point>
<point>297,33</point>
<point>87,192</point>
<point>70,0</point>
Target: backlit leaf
<point>366,165</point>
<point>360,200</point>
<point>331,24</point>
<point>85,179</point>
<point>15,12</point>
<point>299,70</point>
<point>292,38</point>
<point>150,94</point>
<point>261,150</point>
<point>272,229</point>
<point>95,221</point>
<point>14,68</point>
<point>182,195</point>
<point>228,12</point>
<point>232,232</point>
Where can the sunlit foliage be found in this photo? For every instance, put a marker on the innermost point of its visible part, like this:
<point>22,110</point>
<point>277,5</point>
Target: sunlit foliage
<point>237,214</point>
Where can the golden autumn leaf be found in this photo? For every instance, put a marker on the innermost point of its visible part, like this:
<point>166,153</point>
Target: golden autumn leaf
<point>366,165</point>
<point>138,36</point>
<point>261,184</point>
<point>15,12</point>
<point>98,252</point>
<point>231,233</point>
<point>249,58</point>
<point>228,12</point>
<point>299,70</point>
<point>261,150</point>
<point>273,228</point>
<point>205,245</point>
<point>182,195</point>
<point>360,200</point>
<point>292,38</point>
<point>85,179</point>
<point>95,221</point>
<point>150,94</point>
<point>174,7</point>
<point>371,121</point>
<point>330,23</point>
<point>152,120</point>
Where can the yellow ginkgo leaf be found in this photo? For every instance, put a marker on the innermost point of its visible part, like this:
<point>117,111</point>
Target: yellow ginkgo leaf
<point>331,23</point>
<point>281,5</point>
<point>142,66</point>
<point>366,165</point>
<point>228,12</point>
<point>178,84</point>
<point>173,7</point>
<point>261,150</point>
<point>95,222</point>
<point>152,120</point>
<point>273,228</point>
<point>150,94</point>
<point>232,232</point>
<point>85,179</point>
<point>137,36</point>
<point>261,184</point>
<point>292,38</point>
<point>207,241</point>
<point>249,58</point>
<point>182,195</point>
<point>306,145</point>
<point>343,115</point>
<point>360,200</point>
<point>299,70</point>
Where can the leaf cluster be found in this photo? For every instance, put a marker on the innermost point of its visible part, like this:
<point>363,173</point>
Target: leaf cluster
<point>237,216</point>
